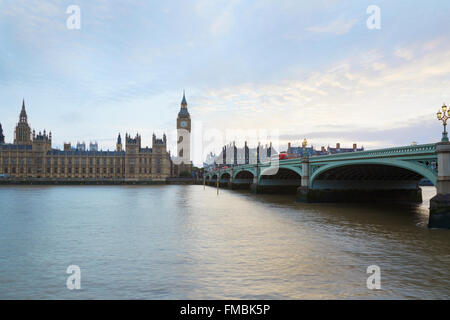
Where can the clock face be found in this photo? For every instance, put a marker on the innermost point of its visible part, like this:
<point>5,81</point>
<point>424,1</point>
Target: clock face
<point>183,124</point>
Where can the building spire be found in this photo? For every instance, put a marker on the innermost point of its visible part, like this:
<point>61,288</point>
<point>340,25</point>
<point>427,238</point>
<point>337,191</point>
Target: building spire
<point>23,113</point>
<point>2,137</point>
<point>183,102</point>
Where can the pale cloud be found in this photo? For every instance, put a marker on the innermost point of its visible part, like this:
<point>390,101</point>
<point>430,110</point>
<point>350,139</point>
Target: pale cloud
<point>224,21</point>
<point>339,26</point>
<point>404,53</point>
<point>375,92</point>
<point>220,14</point>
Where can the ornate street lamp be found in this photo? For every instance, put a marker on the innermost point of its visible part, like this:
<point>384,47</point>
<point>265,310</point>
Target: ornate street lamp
<point>444,116</point>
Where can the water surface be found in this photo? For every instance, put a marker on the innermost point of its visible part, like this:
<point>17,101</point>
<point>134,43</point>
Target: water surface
<point>184,242</point>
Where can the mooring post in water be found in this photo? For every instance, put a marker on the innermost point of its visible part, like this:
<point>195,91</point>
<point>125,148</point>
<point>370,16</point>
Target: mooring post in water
<point>218,175</point>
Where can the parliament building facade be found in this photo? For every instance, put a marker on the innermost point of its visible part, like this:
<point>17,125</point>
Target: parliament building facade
<point>32,157</point>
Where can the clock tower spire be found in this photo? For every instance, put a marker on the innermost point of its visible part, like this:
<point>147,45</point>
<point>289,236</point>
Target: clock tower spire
<point>184,134</point>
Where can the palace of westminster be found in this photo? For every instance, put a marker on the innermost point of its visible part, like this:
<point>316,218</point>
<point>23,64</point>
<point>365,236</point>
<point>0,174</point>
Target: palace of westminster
<point>31,156</point>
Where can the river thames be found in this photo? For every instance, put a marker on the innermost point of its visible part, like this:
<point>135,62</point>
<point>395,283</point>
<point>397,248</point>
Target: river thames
<point>184,242</point>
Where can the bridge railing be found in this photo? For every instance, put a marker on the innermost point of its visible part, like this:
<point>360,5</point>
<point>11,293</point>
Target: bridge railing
<point>396,151</point>
<point>386,152</point>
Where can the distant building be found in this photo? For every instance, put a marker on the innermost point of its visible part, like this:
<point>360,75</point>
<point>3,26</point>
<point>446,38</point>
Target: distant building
<point>32,156</point>
<point>81,146</point>
<point>304,150</point>
<point>210,161</point>
<point>232,155</point>
<point>93,146</point>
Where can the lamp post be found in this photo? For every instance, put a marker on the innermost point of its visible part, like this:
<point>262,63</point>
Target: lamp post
<point>444,116</point>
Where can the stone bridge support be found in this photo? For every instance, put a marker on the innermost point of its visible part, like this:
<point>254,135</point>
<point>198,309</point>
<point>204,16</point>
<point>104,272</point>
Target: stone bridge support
<point>225,182</point>
<point>440,203</point>
<point>303,190</point>
<point>254,187</point>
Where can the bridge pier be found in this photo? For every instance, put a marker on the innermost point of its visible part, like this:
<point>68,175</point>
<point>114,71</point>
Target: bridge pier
<point>440,203</point>
<point>224,183</point>
<point>254,185</point>
<point>303,194</point>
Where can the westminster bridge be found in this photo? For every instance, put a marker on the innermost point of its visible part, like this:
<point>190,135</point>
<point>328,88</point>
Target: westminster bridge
<point>383,174</point>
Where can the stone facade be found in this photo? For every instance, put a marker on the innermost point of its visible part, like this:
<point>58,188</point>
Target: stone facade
<point>183,164</point>
<point>31,156</point>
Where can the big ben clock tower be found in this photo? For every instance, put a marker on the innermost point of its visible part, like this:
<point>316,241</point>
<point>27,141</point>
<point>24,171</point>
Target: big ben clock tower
<point>184,137</point>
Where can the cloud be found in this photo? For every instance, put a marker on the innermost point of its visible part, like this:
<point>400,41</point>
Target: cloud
<point>225,21</point>
<point>339,26</point>
<point>372,99</point>
<point>404,53</point>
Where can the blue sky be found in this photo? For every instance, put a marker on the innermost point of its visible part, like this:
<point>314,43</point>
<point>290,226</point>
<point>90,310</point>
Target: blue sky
<point>304,68</point>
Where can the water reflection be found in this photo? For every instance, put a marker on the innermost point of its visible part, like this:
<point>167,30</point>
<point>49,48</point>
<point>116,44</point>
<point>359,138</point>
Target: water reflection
<point>170,242</point>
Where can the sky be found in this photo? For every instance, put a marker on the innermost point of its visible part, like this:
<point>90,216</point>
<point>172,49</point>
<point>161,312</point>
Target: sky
<point>252,70</point>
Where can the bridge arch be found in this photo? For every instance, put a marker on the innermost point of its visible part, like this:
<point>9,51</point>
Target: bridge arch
<point>225,175</point>
<point>364,169</point>
<point>272,169</point>
<point>243,174</point>
<point>282,174</point>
